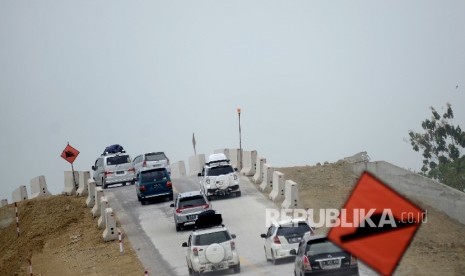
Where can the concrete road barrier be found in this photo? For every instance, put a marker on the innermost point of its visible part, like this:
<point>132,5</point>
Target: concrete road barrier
<point>224,151</point>
<point>101,222</point>
<point>98,197</point>
<point>249,160</point>
<point>234,158</point>
<point>278,186</point>
<point>19,194</point>
<point>291,195</point>
<point>267,181</point>
<point>83,181</point>
<point>90,201</point>
<point>70,187</point>
<point>258,176</point>
<point>110,233</point>
<point>196,164</point>
<point>39,187</point>
<point>178,169</point>
<point>3,202</point>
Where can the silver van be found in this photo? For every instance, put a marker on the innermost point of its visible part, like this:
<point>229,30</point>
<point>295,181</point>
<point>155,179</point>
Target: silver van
<point>113,169</point>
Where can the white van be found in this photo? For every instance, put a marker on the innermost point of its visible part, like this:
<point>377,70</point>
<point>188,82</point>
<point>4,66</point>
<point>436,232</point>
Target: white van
<point>218,177</point>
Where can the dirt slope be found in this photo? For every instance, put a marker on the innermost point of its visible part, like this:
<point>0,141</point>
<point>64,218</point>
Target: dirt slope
<point>438,247</point>
<point>62,238</point>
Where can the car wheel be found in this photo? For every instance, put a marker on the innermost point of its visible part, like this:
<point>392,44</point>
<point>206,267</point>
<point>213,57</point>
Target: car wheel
<point>138,197</point>
<point>142,201</point>
<point>196,273</point>
<point>104,185</point>
<point>124,183</point>
<point>178,227</point>
<point>238,194</point>
<point>273,259</point>
<point>170,197</point>
<point>237,268</point>
<point>266,257</point>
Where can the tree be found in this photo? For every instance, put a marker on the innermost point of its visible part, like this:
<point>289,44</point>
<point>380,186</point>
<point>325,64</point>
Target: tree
<point>442,145</point>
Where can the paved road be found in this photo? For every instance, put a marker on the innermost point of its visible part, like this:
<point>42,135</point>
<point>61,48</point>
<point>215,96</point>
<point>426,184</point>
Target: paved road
<point>151,231</point>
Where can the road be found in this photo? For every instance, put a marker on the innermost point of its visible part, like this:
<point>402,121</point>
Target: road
<point>151,230</point>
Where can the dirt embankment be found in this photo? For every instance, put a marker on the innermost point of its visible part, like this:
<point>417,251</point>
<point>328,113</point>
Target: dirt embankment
<point>61,238</point>
<point>438,247</point>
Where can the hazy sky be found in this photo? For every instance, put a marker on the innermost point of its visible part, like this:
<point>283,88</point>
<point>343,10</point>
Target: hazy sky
<point>316,80</point>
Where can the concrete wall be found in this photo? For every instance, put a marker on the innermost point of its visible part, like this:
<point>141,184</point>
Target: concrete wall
<point>234,157</point>
<point>267,181</point>
<point>83,183</point>
<point>249,159</point>
<point>258,176</point>
<point>98,197</point>
<point>19,194</point>
<point>39,187</point>
<point>178,169</point>
<point>196,164</point>
<point>70,188</point>
<point>291,195</point>
<point>415,186</point>
<point>3,202</point>
<point>278,186</point>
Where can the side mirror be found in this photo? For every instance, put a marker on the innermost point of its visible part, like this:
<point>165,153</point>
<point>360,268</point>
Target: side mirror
<point>184,244</point>
<point>236,169</point>
<point>233,236</point>
<point>172,205</point>
<point>94,168</point>
<point>293,252</point>
<point>199,174</point>
<point>263,236</point>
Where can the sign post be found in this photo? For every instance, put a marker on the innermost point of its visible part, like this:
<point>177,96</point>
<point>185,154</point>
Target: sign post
<point>70,154</point>
<point>194,143</point>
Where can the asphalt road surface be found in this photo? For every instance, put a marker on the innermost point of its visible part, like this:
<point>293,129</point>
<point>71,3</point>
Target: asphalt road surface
<point>150,228</point>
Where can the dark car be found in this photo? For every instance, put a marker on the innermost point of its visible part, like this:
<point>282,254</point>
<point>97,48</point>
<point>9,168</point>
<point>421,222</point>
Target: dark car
<point>317,255</point>
<point>153,183</point>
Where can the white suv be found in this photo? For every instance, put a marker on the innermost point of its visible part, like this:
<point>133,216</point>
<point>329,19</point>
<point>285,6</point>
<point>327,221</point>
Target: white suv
<point>211,249</point>
<point>219,177</point>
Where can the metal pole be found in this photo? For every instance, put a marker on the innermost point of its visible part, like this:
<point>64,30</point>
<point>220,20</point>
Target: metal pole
<point>74,177</point>
<point>240,139</point>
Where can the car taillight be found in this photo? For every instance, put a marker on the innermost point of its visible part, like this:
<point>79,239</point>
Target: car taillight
<point>132,170</point>
<point>144,164</point>
<point>169,184</point>
<point>206,206</point>
<point>195,251</point>
<point>306,263</point>
<point>142,188</point>
<point>353,260</point>
<point>233,245</point>
<point>276,240</point>
<point>179,210</point>
<point>107,173</point>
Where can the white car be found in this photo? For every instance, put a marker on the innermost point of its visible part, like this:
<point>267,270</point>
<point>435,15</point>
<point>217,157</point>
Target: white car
<point>115,168</point>
<point>211,249</point>
<point>151,160</point>
<point>219,177</point>
<point>284,236</point>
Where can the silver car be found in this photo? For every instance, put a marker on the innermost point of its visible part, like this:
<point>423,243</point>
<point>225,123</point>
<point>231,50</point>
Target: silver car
<point>151,160</point>
<point>187,207</point>
<point>113,169</point>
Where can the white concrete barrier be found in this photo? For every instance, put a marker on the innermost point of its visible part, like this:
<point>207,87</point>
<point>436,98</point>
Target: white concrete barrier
<point>258,176</point>
<point>83,181</point>
<point>414,186</point>
<point>3,202</point>
<point>278,186</point>
<point>19,194</point>
<point>267,181</point>
<point>224,151</point>
<point>234,157</point>
<point>70,188</point>
<point>110,233</point>
<point>39,187</point>
<point>103,206</point>
<point>291,195</point>
<point>196,164</point>
<point>90,201</point>
<point>249,160</point>
<point>98,197</point>
<point>178,169</point>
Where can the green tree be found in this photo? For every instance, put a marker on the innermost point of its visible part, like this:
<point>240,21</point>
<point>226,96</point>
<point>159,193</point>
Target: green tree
<point>441,144</point>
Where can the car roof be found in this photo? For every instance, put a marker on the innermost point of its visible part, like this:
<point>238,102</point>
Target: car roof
<point>154,152</point>
<point>152,169</point>
<point>315,237</point>
<point>209,230</point>
<point>190,193</point>
<point>288,221</point>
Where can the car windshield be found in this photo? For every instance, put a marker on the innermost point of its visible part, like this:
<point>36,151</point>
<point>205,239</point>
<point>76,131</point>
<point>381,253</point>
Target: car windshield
<point>155,175</point>
<point>215,171</point>
<point>156,156</point>
<point>185,202</point>
<point>322,248</point>
<point>215,237</point>
<point>299,229</point>
<point>120,159</point>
